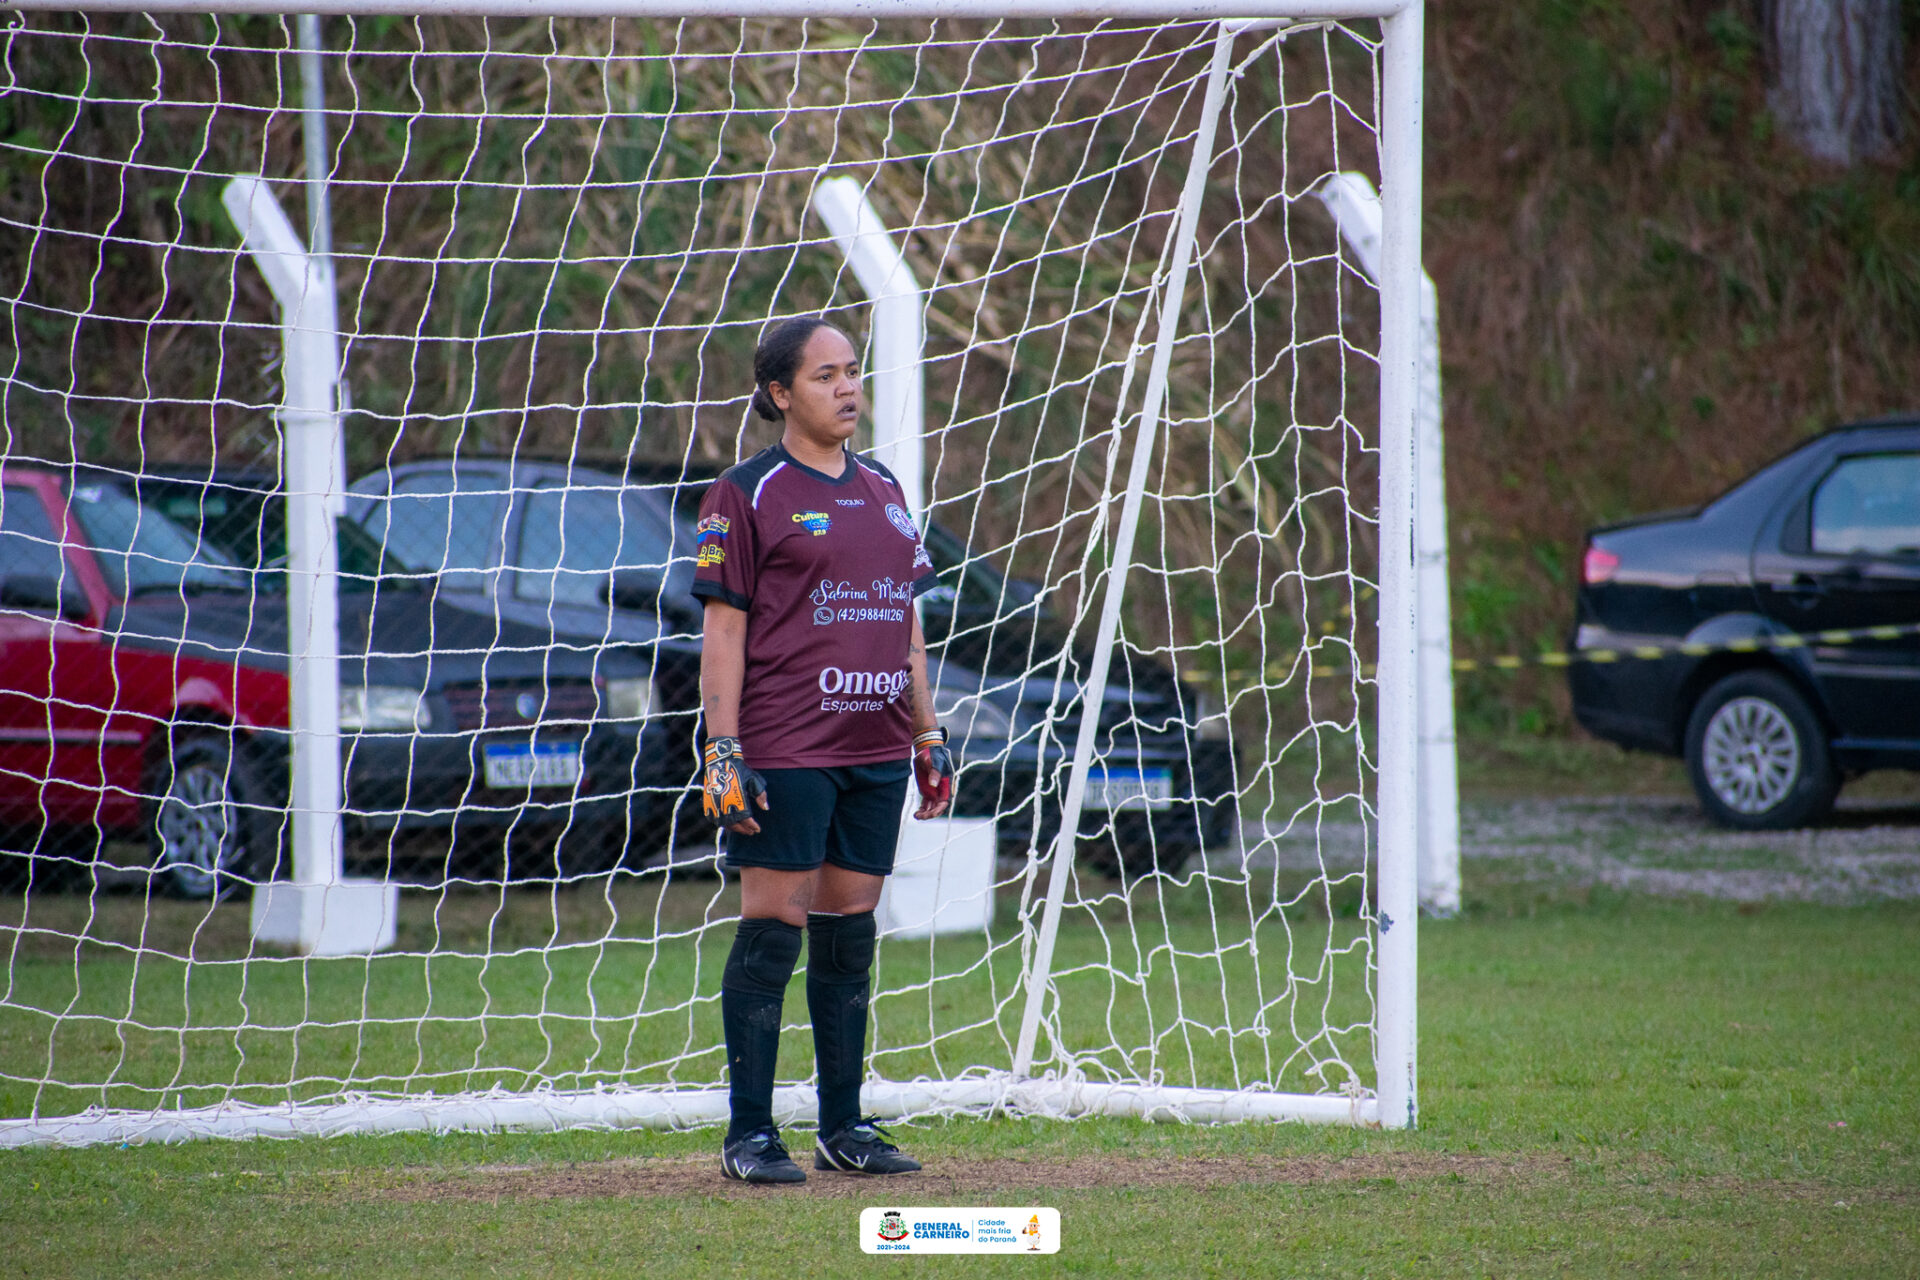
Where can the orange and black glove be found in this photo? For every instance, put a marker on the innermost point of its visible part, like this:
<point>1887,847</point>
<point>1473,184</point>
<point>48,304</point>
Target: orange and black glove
<point>728,782</point>
<point>932,772</point>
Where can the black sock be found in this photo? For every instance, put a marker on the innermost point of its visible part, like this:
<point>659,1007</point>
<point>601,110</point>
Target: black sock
<point>752,990</point>
<point>839,959</point>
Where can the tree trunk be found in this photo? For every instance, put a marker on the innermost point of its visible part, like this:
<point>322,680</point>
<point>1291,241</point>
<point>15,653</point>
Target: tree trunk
<point>1836,90</point>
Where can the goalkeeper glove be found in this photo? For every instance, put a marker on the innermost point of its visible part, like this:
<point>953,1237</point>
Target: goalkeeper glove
<point>728,782</point>
<point>932,772</point>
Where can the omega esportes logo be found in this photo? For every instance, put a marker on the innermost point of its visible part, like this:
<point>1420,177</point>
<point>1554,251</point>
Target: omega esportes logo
<point>861,690</point>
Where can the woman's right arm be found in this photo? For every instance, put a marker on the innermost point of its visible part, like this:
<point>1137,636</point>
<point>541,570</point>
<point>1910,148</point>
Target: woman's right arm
<point>723,668</point>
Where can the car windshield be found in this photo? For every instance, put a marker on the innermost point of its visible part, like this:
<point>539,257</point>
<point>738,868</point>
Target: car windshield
<point>572,537</point>
<point>142,550</point>
<point>250,526</point>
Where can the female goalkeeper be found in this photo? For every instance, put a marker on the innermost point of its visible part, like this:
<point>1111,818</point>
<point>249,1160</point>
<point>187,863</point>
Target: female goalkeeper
<point>813,686</point>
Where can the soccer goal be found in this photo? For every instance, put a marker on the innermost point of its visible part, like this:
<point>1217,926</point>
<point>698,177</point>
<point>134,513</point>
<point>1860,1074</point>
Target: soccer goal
<point>361,376</point>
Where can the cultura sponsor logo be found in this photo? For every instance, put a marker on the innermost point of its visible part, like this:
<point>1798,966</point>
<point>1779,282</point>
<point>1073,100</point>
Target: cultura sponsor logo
<point>816,522</point>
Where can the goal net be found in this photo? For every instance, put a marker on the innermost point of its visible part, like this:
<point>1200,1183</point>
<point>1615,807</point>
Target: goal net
<point>1146,393</point>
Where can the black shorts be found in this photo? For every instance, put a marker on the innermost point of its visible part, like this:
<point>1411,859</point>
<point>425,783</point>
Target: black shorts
<point>848,815</point>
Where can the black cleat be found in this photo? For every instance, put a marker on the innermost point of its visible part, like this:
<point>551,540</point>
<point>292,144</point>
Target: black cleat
<point>760,1157</point>
<point>860,1147</point>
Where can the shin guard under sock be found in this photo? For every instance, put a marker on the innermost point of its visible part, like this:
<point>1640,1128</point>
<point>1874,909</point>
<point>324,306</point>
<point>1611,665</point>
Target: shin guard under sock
<point>752,990</point>
<point>839,959</point>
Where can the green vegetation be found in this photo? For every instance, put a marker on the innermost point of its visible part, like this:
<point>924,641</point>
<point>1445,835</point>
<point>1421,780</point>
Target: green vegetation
<point>1623,1087</point>
<point>1644,293</point>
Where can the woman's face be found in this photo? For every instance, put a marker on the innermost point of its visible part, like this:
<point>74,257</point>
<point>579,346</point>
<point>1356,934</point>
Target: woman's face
<point>823,401</point>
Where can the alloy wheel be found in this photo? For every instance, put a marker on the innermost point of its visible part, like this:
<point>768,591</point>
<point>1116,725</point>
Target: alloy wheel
<point>197,825</point>
<point>1751,755</point>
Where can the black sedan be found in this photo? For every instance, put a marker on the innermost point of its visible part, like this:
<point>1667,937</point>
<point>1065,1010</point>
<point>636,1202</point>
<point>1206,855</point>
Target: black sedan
<point>593,565</point>
<point>1770,708</point>
<point>454,722</point>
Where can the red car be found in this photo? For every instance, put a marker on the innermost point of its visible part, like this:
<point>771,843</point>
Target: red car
<point>90,716</point>
<point>143,692</point>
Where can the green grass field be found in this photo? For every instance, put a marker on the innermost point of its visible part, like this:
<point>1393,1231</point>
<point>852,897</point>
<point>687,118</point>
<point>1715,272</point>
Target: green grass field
<point>120,1001</point>
<point>1610,1086</point>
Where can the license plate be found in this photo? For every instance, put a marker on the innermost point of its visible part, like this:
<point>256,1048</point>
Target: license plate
<point>1130,788</point>
<point>532,764</point>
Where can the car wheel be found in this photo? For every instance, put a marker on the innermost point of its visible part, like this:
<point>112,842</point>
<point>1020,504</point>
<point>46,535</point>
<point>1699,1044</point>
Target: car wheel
<point>214,834</point>
<point>1758,756</point>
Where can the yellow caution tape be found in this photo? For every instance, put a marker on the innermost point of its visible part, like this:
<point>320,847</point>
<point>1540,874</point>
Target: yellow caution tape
<point>1644,653</point>
<point>1654,652</point>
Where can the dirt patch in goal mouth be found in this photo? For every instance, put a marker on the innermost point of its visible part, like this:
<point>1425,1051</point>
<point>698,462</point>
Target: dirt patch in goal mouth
<point>955,1179</point>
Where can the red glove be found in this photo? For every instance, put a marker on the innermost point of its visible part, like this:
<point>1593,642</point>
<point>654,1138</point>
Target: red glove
<point>932,772</point>
<point>726,784</point>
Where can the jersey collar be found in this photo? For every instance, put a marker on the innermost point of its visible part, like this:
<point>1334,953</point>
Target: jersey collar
<point>845,477</point>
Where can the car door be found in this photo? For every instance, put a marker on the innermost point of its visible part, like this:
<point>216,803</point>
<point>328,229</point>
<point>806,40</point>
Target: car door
<point>56,685</point>
<point>1848,558</point>
<point>29,557</point>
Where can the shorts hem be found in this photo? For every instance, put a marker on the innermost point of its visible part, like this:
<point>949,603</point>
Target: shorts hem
<point>732,863</point>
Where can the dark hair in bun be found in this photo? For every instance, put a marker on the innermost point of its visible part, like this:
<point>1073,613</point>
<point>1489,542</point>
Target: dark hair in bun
<point>776,358</point>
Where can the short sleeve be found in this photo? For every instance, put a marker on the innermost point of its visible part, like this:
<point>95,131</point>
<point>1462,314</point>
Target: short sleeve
<point>725,571</point>
<point>924,579</point>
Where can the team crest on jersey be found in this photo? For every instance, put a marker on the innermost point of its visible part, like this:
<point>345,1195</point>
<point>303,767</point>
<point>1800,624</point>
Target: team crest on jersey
<point>901,520</point>
<point>816,521</point>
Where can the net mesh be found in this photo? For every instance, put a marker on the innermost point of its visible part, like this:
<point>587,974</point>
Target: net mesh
<point>556,244</point>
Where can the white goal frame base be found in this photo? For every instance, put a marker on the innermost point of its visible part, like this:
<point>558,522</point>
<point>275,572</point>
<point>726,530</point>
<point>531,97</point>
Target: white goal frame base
<point>549,1111</point>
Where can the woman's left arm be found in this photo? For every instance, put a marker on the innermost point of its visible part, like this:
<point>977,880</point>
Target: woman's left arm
<point>932,762</point>
<point>921,692</point>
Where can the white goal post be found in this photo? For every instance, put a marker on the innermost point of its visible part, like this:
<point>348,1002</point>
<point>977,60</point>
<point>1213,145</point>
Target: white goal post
<point>1157,384</point>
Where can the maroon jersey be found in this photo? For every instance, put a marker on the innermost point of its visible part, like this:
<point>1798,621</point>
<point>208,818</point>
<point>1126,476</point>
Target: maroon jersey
<point>826,569</point>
